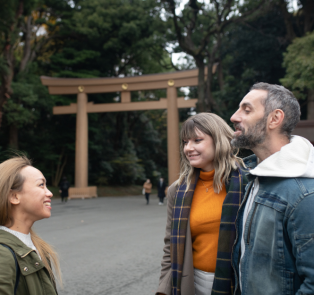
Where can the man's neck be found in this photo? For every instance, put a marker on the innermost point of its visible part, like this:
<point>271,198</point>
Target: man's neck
<point>269,147</point>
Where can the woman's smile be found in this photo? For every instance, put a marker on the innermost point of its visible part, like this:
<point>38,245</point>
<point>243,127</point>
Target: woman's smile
<point>191,157</point>
<point>48,204</point>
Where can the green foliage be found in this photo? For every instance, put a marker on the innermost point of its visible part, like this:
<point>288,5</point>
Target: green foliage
<point>19,109</point>
<point>251,52</point>
<point>111,38</point>
<point>299,64</point>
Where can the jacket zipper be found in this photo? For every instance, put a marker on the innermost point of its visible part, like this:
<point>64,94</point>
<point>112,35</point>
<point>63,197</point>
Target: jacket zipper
<point>250,226</point>
<point>244,200</point>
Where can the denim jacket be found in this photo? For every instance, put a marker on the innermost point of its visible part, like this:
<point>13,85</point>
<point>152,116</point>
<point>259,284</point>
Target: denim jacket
<point>279,237</point>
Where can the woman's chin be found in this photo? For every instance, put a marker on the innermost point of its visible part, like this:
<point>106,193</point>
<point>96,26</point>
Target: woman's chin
<point>196,164</point>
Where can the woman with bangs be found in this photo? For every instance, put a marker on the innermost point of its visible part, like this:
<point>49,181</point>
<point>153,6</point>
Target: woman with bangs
<point>25,259</point>
<point>202,208</point>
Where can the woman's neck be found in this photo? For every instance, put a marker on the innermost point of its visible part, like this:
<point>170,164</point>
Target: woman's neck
<point>208,167</point>
<point>21,226</point>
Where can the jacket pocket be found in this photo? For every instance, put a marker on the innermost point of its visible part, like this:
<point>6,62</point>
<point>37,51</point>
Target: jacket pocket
<point>271,201</point>
<point>265,232</point>
<point>304,241</point>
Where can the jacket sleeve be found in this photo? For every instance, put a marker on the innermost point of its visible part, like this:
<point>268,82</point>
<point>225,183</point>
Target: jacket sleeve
<point>301,233</point>
<point>7,272</point>
<point>165,283</point>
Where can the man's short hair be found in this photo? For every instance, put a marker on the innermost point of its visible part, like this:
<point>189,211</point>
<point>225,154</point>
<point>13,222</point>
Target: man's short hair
<point>279,97</point>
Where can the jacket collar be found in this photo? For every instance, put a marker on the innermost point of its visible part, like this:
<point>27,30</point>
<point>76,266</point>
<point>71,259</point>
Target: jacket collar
<point>27,258</point>
<point>14,243</point>
<point>250,162</point>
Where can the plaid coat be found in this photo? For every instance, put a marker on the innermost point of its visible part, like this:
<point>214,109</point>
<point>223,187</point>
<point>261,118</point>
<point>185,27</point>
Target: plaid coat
<point>177,274</point>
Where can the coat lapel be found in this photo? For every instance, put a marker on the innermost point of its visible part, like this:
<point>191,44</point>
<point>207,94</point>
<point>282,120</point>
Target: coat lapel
<point>180,216</point>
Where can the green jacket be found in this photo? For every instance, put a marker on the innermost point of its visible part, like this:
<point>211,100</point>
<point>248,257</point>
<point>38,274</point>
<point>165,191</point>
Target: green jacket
<point>34,277</point>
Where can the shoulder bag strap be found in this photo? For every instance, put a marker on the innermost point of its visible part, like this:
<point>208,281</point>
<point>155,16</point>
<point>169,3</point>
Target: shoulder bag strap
<point>17,268</point>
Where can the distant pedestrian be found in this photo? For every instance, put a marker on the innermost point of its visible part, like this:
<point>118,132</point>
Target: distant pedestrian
<point>64,189</point>
<point>148,189</point>
<point>161,187</point>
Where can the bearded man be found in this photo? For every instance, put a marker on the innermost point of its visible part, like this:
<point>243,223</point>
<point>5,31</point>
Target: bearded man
<point>274,251</point>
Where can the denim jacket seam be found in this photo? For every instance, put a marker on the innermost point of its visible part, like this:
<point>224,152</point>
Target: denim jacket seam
<point>292,219</point>
<point>301,186</point>
<point>299,200</point>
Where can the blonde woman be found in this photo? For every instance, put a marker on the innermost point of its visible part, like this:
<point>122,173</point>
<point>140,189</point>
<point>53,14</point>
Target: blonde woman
<point>148,189</point>
<point>202,208</point>
<point>25,259</point>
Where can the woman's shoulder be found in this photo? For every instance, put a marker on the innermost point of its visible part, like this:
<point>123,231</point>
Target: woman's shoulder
<point>7,260</point>
<point>173,188</point>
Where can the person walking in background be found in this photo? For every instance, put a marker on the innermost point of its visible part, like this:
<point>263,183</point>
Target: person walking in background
<point>274,251</point>
<point>148,189</point>
<point>161,187</point>
<point>64,189</point>
<point>202,209</point>
<point>25,259</point>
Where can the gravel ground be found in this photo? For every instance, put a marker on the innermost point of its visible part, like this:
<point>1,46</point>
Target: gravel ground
<point>110,245</point>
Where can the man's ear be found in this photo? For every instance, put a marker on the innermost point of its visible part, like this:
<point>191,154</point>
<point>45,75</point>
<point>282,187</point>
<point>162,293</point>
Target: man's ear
<point>14,199</point>
<point>275,119</point>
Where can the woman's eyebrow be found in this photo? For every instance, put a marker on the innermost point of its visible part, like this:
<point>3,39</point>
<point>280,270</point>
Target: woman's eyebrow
<point>43,179</point>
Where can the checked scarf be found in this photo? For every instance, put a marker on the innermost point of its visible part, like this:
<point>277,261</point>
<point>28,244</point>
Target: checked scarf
<point>224,280</point>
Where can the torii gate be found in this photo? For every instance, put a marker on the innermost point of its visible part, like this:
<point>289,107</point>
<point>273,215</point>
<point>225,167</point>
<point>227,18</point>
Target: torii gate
<point>83,86</point>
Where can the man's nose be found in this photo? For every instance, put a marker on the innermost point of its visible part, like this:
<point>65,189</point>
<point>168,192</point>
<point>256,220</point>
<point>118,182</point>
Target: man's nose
<point>235,117</point>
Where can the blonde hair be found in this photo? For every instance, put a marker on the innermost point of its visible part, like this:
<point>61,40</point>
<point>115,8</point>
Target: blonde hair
<point>225,155</point>
<point>11,181</point>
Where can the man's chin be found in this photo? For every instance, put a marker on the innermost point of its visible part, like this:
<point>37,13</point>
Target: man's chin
<point>236,142</point>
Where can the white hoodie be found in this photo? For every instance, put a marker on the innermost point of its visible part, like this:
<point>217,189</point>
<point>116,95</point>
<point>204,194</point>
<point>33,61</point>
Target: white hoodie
<point>295,159</point>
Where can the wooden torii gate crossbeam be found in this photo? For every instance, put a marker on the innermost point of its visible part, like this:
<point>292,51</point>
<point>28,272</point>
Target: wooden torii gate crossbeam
<point>84,86</point>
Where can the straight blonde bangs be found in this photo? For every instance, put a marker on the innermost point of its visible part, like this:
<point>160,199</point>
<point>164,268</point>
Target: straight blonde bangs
<point>225,155</point>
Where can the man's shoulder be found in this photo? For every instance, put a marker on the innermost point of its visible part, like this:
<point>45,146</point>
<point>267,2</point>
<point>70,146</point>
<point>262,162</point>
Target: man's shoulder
<point>287,190</point>
<point>306,185</point>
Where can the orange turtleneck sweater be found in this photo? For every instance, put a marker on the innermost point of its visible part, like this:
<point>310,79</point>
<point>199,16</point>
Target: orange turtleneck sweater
<point>205,218</point>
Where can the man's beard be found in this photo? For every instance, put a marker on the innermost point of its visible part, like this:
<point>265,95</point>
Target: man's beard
<point>254,136</point>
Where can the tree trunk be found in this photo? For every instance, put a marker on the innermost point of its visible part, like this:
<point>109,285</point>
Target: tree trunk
<point>308,8</point>
<point>209,97</point>
<point>310,105</point>
<point>288,20</point>
<point>220,76</point>
<point>201,86</point>
<point>27,44</point>
<point>60,168</point>
<point>8,56</point>
<point>13,141</point>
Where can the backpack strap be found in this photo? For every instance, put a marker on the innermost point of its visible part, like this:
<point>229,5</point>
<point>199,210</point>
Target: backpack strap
<point>18,272</point>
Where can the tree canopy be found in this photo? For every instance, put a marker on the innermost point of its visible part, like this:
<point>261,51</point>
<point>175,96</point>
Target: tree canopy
<point>237,42</point>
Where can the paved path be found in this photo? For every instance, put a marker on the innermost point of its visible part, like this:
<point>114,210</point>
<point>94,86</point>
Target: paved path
<point>109,246</point>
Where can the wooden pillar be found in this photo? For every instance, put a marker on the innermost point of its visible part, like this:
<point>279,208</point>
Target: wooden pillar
<point>173,135</point>
<point>125,96</point>
<point>81,146</point>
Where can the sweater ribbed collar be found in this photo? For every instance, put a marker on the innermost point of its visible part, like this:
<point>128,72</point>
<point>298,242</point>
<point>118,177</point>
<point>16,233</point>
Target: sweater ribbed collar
<point>207,176</point>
